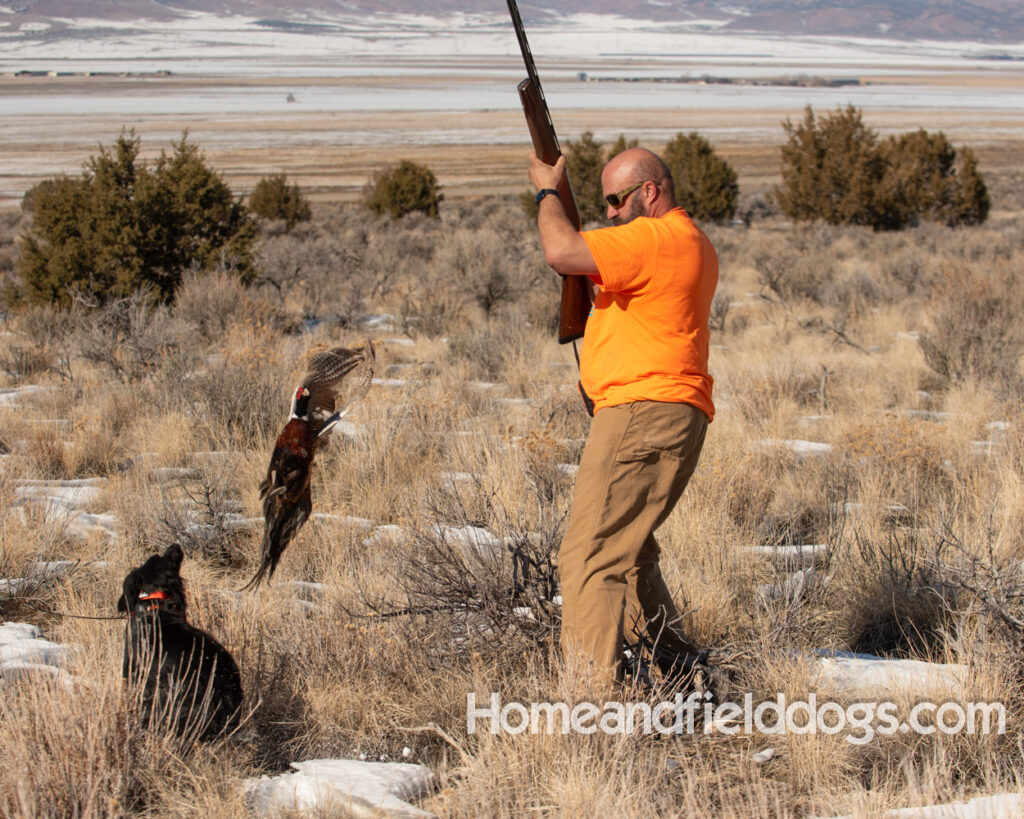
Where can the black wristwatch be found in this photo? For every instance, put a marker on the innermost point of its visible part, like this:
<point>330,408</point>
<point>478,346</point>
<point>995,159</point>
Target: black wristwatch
<point>544,192</point>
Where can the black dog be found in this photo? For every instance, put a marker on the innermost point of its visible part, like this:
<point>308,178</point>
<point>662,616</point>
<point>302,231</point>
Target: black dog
<point>189,682</point>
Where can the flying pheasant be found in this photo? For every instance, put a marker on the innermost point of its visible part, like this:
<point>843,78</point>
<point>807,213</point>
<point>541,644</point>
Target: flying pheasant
<point>285,491</point>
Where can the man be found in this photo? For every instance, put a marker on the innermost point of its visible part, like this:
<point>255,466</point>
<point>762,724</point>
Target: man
<point>644,363</point>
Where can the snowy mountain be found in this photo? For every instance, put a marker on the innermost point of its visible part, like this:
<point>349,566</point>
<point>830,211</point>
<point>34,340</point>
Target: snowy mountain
<point>992,21</point>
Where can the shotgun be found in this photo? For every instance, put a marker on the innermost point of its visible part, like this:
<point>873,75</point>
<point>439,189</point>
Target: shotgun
<point>575,305</point>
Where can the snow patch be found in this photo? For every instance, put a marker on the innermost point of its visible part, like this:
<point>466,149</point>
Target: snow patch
<point>794,587</point>
<point>25,654</point>
<point>802,449</point>
<point>231,522</point>
<point>169,474</point>
<point>370,788</point>
<point>350,521</point>
<point>67,494</point>
<point>45,571</point>
<point>480,540</point>
<point>470,539</point>
<point>387,534</point>
<point>984,449</point>
<point>998,806</point>
<point>791,556</point>
<point>861,673</point>
<point>10,396</point>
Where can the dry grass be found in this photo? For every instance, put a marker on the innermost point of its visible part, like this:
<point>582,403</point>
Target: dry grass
<point>472,424</point>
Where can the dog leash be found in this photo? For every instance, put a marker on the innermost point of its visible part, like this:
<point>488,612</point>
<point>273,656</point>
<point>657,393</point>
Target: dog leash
<point>410,610</point>
<point>69,614</point>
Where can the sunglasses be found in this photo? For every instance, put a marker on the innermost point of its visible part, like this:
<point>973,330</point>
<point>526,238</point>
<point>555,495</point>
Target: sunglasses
<point>616,200</point>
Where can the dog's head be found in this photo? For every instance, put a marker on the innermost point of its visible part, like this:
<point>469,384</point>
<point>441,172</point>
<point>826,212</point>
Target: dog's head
<point>156,584</point>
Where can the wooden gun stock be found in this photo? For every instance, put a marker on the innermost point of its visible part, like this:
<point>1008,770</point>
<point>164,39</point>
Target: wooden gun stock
<point>575,304</point>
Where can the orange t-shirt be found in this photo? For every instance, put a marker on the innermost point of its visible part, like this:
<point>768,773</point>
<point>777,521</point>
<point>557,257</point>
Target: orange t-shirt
<point>647,335</point>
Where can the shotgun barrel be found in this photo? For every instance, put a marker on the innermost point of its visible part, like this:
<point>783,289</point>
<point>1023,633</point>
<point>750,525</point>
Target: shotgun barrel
<point>575,302</point>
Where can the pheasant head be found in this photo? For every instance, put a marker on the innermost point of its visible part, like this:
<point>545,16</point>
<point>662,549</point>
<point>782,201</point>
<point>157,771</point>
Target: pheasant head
<point>300,404</point>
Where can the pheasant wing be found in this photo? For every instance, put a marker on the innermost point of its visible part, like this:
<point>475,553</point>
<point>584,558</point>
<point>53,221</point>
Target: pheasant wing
<point>325,371</point>
<point>369,361</point>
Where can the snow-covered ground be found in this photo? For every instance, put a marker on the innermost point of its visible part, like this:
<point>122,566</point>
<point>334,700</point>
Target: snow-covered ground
<point>999,806</point>
<point>26,655</point>
<point>354,787</point>
<point>202,36</point>
<point>148,97</point>
<point>466,62</point>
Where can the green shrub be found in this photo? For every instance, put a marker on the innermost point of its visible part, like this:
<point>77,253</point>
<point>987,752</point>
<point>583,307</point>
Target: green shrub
<point>121,227</point>
<point>971,200</point>
<point>274,198</point>
<point>836,170</point>
<point>705,183</point>
<point>830,170</point>
<point>584,161</point>
<point>924,181</point>
<point>404,188</point>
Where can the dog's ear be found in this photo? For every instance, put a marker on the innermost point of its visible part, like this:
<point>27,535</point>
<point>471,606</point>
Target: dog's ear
<point>129,590</point>
<point>174,555</point>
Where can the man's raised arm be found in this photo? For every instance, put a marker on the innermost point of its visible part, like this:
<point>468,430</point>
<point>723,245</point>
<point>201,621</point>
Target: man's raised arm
<point>564,248</point>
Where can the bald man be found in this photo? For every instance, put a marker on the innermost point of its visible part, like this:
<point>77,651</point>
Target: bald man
<point>644,364</point>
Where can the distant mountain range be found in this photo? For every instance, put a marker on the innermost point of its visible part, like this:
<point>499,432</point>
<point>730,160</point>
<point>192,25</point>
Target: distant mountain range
<point>991,21</point>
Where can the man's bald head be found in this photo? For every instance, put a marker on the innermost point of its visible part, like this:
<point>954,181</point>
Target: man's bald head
<point>639,165</point>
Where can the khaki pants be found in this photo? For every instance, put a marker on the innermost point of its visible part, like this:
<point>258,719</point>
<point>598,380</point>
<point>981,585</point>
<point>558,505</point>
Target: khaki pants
<point>637,460</point>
